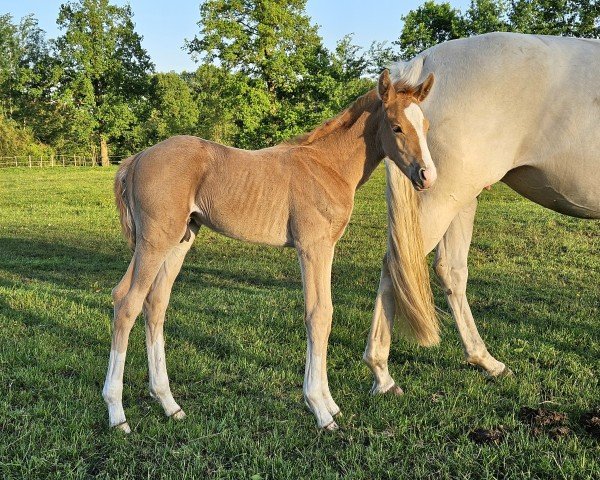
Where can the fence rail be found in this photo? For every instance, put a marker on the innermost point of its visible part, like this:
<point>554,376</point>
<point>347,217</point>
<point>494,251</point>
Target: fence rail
<point>33,161</point>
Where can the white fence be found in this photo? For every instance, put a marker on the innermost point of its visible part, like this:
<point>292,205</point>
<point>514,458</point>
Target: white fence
<point>32,161</point>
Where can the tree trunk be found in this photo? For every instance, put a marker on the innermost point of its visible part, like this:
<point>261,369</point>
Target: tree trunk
<point>104,152</point>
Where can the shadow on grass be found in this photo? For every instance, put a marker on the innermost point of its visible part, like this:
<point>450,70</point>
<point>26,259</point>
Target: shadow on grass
<point>73,269</point>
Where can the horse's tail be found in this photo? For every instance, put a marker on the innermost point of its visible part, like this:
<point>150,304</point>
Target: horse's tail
<point>406,261</point>
<point>123,199</point>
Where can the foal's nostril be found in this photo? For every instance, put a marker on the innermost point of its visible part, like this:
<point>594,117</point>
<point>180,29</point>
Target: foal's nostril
<point>422,174</point>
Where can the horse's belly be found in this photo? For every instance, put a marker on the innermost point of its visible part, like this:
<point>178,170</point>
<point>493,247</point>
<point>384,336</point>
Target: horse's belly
<point>266,227</point>
<point>571,194</point>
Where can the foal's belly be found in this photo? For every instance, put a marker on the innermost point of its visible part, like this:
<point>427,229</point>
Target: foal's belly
<point>570,192</point>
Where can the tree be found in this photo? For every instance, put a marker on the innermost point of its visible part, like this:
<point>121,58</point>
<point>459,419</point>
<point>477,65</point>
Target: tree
<point>578,18</point>
<point>173,109</point>
<point>433,23</point>
<point>105,74</point>
<point>428,25</point>
<point>281,79</point>
<point>27,74</point>
<point>214,93</point>
<point>486,16</point>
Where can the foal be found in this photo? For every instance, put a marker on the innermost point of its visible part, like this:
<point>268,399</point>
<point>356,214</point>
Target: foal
<point>298,194</point>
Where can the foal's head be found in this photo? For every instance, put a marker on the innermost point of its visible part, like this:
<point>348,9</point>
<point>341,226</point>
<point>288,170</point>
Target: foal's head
<point>404,129</point>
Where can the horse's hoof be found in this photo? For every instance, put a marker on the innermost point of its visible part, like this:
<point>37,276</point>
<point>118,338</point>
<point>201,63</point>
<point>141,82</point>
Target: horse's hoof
<point>331,427</point>
<point>506,372</point>
<point>123,427</point>
<point>395,390</point>
<point>178,415</point>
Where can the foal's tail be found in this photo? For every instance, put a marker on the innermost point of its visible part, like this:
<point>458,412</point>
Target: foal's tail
<point>406,261</point>
<point>123,200</point>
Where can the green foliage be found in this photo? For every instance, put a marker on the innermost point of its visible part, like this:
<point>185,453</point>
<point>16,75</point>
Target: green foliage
<point>173,108</point>
<point>27,74</point>
<point>282,81</point>
<point>433,22</point>
<point>17,141</point>
<point>428,25</point>
<point>487,16</point>
<point>578,18</point>
<point>104,79</point>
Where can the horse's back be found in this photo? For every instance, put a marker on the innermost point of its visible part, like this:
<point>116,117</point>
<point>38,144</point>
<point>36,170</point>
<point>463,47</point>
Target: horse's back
<point>529,104</point>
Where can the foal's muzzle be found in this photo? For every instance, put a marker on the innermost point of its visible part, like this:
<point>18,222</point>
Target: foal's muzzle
<point>422,178</point>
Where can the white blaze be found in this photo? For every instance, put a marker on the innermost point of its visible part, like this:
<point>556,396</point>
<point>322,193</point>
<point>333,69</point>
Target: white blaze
<point>415,117</point>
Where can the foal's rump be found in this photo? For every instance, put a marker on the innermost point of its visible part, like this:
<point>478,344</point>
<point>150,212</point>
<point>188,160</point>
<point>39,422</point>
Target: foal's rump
<point>155,189</point>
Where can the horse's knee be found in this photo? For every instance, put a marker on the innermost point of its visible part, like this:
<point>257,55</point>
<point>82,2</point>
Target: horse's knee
<point>154,302</point>
<point>373,359</point>
<point>319,314</point>
<point>126,313</point>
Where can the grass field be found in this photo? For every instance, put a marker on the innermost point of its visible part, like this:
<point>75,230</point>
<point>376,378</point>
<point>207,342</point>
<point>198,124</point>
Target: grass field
<point>236,348</point>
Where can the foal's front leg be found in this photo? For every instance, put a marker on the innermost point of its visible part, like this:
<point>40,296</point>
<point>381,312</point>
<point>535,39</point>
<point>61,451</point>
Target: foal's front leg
<point>315,263</point>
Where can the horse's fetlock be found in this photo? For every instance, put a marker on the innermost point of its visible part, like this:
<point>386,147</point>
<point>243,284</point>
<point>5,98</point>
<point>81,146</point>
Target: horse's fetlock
<point>112,393</point>
<point>312,398</point>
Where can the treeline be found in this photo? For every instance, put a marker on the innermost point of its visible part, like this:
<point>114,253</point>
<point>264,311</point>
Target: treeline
<point>263,72</point>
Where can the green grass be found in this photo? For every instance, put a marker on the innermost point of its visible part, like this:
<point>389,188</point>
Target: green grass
<point>236,349</point>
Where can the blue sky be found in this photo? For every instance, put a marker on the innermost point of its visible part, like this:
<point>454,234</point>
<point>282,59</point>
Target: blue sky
<point>166,24</point>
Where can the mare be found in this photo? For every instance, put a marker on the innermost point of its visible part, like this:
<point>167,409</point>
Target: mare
<point>521,109</point>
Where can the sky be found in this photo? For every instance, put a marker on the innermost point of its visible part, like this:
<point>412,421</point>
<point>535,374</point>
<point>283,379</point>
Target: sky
<point>165,25</point>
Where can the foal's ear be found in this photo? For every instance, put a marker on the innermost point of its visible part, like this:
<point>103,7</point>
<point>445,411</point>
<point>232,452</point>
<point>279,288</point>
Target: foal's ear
<point>423,90</point>
<point>385,88</point>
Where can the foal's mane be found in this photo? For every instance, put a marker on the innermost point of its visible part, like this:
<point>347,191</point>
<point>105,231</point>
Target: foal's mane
<point>405,76</point>
<point>345,119</point>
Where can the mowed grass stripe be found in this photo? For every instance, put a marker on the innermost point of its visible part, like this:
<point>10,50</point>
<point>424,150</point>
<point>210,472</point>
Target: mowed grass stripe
<point>236,347</point>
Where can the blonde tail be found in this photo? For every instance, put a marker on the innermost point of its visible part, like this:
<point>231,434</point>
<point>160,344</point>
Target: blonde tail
<point>122,199</point>
<point>406,262</point>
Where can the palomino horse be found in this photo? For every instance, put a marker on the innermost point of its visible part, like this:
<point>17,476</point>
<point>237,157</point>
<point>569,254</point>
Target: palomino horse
<point>521,109</point>
<point>298,194</point>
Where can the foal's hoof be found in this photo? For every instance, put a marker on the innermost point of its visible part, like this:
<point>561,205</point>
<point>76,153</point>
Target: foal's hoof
<point>331,427</point>
<point>178,415</point>
<point>501,373</point>
<point>123,427</point>
<point>507,372</point>
<point>395,390</point>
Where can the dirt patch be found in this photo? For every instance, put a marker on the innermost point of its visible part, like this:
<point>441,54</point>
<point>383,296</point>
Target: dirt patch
<point>554,424</point>
<point>437,397</point>
<point>591,422</point>
<point>483,436</point>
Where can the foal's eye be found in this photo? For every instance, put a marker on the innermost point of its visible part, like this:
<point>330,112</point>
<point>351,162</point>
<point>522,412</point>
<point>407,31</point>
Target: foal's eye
<point>397,129</point>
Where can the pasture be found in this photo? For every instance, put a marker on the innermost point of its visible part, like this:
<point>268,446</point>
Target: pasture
<point>236,348</point>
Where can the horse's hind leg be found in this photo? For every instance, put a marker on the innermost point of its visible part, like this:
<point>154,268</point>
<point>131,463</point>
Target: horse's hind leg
<point>451,267</point>
<point>143,269</point>
<point>155,307</point>
<point>377,350</point>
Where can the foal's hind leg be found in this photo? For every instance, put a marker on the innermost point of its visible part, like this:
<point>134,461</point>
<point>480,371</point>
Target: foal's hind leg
<point>155,307</point>
<point>451,268</point>
<point>142,271</point>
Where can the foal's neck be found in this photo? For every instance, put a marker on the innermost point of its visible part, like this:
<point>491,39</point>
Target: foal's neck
<point>353,149</point>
